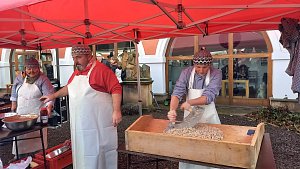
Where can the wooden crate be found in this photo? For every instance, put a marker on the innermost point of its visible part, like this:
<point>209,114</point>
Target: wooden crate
<point>58,162</point>
<point>237,149</point>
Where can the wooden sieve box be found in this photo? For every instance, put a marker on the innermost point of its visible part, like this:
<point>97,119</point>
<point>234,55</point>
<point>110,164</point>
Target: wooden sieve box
<point>237,149</point>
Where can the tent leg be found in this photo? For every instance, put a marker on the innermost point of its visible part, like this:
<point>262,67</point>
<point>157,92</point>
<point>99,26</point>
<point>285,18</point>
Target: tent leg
<point>140,107</point>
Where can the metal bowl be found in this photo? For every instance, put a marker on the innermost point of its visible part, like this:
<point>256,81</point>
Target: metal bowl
<point>20,122</point>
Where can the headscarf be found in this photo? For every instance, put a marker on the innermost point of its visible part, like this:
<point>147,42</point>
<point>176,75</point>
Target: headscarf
<point>32,63</point>
<point>81,49</point>
<point>203,57</point>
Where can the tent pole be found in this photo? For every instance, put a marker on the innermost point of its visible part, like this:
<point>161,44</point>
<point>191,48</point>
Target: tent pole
<point>138,79</point>
<point>136,41</point>
<point>57,63</point>
<point>11,54</point>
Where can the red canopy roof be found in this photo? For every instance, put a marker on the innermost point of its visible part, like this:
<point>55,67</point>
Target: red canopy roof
<point>61,23</point>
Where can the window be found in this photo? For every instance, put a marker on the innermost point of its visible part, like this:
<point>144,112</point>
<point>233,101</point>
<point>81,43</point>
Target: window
<point>105,49</point>
<point>216,44</point>
<point>250,77</point>
<point>249,42</point>
<point>244,63</point>
<point>182,46</point>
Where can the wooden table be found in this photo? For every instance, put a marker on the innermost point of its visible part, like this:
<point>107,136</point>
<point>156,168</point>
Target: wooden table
<point>265,159</point>
<point>6,135</point>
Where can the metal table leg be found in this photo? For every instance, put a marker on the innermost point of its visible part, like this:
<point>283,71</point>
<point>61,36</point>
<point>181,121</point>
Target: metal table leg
<point>43,146</point>
<point>16,143</point>
<point>128,163</point>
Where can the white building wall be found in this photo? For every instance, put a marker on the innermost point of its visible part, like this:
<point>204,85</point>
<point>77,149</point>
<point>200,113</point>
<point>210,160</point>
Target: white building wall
<point>157,65</point>
<point>66,67</point>
<point>4,68</point>
<point>281,57</point>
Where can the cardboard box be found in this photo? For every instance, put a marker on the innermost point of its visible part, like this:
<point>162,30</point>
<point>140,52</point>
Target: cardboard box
<point>237,149</point>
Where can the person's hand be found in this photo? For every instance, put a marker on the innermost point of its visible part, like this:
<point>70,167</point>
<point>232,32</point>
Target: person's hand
<point>13,106</point>
<point>172,115</point>
<point>185,106</point>
<point>116,118</point>
<point>49,109</point>
<point>46,99</point>
<point>67,143</point>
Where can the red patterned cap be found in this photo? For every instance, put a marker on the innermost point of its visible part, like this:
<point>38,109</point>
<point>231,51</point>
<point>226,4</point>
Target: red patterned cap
<point>203,57</point>
<point>81,49</point>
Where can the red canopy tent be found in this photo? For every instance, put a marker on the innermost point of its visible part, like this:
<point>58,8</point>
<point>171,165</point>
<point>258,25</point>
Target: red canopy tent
<point>61,23</point>
<point>7,4</point>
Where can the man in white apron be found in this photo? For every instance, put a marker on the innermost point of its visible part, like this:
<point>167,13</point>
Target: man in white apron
<point>26,92</point>
<point>95,110</point>
<point>200,84</point>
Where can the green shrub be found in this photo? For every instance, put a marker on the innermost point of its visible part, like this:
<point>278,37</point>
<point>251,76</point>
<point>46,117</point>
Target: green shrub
<point>280,116</point>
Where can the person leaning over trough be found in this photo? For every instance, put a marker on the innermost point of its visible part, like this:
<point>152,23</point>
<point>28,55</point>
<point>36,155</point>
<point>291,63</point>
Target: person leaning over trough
<point>27,89</point>
<point>200,84</point>
<point>95,111</point>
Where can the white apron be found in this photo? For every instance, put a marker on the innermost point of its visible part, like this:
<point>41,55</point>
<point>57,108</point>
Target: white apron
<point>119,74</point>
<point>93,136</point>
<point>28,103</point>
<point>210,114</point>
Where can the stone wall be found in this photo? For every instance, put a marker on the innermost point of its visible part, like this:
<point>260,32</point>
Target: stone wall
<point>292,104</point>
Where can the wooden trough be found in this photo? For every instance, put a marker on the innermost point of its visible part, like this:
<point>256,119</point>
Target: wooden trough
<point>237,149</point>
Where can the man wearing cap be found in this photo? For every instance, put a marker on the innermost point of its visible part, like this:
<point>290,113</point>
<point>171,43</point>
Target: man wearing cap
<point>28,87</point>
<point>200,84</point>
<point>95,110</point>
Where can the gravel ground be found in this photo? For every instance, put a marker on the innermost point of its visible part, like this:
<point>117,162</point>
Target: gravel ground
<point>285,144</point>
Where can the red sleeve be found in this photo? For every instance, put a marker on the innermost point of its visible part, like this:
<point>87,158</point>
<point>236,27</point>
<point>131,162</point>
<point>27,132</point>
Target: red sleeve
<point>104,79</point>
